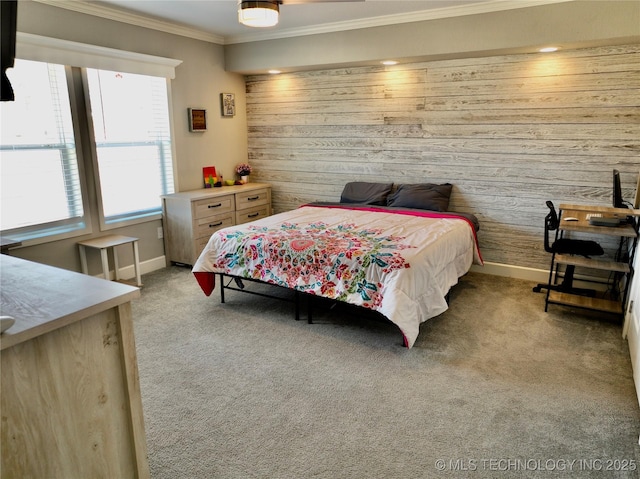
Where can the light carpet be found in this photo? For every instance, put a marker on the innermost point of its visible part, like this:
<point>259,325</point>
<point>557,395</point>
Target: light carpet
<point>494,387</point>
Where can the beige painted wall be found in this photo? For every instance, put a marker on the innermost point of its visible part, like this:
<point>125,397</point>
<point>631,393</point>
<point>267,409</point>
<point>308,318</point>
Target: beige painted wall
<point>199,81</point>
<point>522,30</point>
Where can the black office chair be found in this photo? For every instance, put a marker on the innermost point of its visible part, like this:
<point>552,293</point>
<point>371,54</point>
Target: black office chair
<point>584,248</point>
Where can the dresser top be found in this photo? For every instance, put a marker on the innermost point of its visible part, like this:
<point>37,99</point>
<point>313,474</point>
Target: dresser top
<point>217,191</point>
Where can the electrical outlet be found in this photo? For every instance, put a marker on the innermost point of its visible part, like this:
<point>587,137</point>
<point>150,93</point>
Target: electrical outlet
<point>160,232</point>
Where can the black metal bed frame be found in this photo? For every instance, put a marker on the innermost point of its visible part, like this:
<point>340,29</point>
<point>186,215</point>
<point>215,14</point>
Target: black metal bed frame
<point>239,286</point>
<point>297,295</point>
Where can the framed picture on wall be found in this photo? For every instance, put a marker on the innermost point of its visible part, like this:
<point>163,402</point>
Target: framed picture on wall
<point>197,119</point>
<point>228,104</point>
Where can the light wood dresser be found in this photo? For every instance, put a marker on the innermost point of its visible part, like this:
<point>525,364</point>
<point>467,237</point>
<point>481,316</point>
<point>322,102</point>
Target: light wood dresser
<point>71,404</point>
<point>190,217</point>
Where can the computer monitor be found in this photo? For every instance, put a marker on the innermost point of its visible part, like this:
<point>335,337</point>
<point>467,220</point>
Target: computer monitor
<point>618,202</point>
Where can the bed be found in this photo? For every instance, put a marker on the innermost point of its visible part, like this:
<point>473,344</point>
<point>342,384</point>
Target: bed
<point>395,250</point>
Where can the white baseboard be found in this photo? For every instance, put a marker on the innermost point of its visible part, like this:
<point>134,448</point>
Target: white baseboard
<point>534,275</point>
<point>128,272</point>
<point>510,271</point>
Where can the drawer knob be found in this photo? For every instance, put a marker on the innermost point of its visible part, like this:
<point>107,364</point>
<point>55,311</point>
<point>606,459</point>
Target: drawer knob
<point>253,215</point>
<point>214,206</point>
<point>253,198</point>
<point>215,224</point>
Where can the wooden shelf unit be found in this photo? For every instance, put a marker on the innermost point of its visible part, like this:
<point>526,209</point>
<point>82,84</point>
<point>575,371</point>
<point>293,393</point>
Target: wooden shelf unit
<point>582,225</point>
<point>586,302</point>
<point>593,263</point>
<point>191,217</point>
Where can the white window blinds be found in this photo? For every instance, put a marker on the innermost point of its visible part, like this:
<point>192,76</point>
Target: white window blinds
<point>132,137</point>
<point>44,177</point>
<point>40,176</point>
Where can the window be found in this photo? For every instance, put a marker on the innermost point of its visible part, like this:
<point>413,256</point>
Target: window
<point>39,172</point>
<point>132,142</point>
<point>43,175</point>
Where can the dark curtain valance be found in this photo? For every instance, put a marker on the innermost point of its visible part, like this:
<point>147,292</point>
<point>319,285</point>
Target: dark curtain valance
<point>8,17</point>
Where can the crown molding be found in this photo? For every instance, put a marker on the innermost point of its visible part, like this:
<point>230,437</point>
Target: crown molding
<point>83,6</point>
<point>420,16</point>
<point>102,11</point>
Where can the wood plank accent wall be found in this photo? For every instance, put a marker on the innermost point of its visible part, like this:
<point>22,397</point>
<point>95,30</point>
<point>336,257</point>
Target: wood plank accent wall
<point>509,132</point>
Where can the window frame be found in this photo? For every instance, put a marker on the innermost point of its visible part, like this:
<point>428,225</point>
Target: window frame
<point>133,218</point>
<point>76,57</point>
<point>69,228</point>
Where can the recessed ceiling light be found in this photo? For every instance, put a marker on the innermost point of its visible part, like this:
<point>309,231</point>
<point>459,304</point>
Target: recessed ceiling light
<point>548,49</point>
<point>389,62</point>
<point>274,72</point>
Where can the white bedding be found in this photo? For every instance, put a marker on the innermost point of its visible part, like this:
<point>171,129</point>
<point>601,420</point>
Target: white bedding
<point>400,263</point>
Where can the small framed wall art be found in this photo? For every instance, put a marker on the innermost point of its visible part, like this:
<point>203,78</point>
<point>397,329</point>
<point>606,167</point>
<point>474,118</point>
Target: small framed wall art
<point>197,119</point>
<point>228,104</point>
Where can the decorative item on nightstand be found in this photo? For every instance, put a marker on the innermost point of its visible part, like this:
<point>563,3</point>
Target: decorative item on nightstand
<point>244,170</point>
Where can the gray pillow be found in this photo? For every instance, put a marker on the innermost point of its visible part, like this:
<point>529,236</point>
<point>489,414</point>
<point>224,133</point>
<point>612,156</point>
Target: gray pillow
<point>425,196</point>
<point>366,193</point>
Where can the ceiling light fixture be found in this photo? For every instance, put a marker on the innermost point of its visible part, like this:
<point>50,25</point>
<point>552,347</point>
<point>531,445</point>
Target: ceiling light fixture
<point>259,13</point>
<point>548,49</point>
<point>389,62</point>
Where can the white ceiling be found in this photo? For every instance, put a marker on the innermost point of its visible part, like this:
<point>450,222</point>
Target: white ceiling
<point>217,20</point>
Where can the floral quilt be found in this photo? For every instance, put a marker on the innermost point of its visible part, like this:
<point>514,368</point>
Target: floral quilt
<point>400,263</point>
